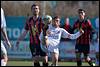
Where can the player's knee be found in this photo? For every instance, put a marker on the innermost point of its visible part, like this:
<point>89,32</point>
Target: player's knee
<point>45,59</point>
<point>36,59</point>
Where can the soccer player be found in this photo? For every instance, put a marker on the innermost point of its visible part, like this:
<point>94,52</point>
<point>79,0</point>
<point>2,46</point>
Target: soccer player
<point>97,41</point>
<point>47,21</point>
<point>4,57</point>
<point>54,34</point>
<point>83,42</point>
<point>34,25</point>
<point>67,26</point>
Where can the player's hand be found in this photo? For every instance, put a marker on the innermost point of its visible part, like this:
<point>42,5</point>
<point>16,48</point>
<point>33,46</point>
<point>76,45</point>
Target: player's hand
<point>9,44</point>
<point>48,32</point>
<point>17,43</point>
<point>81,31</point>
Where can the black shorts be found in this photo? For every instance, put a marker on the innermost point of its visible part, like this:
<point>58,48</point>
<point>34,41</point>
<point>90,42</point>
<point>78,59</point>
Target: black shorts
<point>82,48</point>
<point>36,50</point>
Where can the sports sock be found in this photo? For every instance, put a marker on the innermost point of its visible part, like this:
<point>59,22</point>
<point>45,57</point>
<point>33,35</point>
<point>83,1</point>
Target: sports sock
<point>79,63</point>
<point>45,64</point>
<point>36,64</point>
<point>91,63</point>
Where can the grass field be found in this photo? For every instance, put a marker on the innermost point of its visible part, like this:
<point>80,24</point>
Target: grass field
<point>29,63</point>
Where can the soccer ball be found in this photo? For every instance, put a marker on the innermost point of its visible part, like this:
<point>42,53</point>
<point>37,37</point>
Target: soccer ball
<point>47,19</point>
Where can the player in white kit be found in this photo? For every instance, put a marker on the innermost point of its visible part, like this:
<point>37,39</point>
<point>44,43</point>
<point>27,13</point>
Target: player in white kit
<point>97,41</point>
<point>4,57</point>
<point>54,34</point>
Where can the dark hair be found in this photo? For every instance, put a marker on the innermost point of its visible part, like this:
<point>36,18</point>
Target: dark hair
<point>33,6</point>
<point>56,17</point>
<point>79,10</point>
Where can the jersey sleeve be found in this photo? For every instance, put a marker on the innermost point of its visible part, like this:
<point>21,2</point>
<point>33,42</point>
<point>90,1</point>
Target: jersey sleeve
<point>75,25</point>
<point>3,21</point>
<point>41,36</point>
<point>89,24</point>
<point>65,34</point>
<point>26,25</point>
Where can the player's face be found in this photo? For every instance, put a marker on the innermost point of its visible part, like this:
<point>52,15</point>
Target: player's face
<point>81,14</point>
<point>35,10</point>
<point>56,22</point>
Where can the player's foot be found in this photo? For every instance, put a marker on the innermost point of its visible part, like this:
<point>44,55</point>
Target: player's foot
<point>94,64</point>
<point>54,65</point>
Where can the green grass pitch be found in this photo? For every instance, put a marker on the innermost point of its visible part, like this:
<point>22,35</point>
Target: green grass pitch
<point>29,63</point>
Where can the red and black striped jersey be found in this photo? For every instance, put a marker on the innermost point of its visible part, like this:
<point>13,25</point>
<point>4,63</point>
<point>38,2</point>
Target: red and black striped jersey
<point>87,27</point>
<point>35,27</point>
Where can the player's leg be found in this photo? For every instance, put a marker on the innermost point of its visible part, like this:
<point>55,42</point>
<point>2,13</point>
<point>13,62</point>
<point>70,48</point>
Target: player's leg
<point>86,55</point>
<point>88,59</point>
<point>35,57</point>
<point>36,60</point>
<point>4,58</point>
<point>44,56</point>
<point>45,60</point>
<point>78,54</point>
<point>97,53</point>
<point>55,57</point>
<point>78,59</point>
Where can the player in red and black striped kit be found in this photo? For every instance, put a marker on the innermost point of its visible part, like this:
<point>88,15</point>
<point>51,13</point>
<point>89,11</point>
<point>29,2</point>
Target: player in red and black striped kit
<point>34,26</point>
<point>83,42</point>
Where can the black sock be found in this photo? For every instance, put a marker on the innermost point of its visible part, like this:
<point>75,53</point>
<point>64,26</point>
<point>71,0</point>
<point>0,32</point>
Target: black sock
<point>45,64</point>
<point>79,63</point>
<point>36,64</point>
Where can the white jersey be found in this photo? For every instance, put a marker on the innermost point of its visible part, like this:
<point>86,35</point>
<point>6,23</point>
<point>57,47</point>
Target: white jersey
<point>55,36</point>
<point>3,21</point>
<point>97,22</point>
<point>3,24</point>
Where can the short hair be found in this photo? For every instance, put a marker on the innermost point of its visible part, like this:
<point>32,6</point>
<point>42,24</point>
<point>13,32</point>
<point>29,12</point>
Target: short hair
<point>56,17</point>
<point>33,6</point>
<point>79,10</point>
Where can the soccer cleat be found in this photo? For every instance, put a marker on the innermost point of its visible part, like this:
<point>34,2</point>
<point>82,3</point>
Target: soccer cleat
<point>94,64</point>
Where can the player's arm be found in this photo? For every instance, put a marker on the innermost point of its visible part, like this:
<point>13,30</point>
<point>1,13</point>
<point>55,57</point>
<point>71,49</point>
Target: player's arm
<point>26,29</point>
<point>22,36</point>
<point>74,26</point>
<point>92,31</point>
<point>43,39</point>
<point>41,36</point>
<point>3,28</point>
<point>4,34</point>
<point>65,34</point>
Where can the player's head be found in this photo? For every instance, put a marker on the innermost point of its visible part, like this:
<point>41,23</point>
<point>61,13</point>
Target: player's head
<point>56,21</point>
<point>47,19</point>
<point>35,9</point>
<point>81,13</point>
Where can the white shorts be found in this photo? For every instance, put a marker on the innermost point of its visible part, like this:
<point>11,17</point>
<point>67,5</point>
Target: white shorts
<point>54,49</point>
<point>50,48</point>
<point>3,49</point>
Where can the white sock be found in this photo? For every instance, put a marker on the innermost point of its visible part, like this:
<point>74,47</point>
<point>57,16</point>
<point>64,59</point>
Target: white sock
<point>3,63</point>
